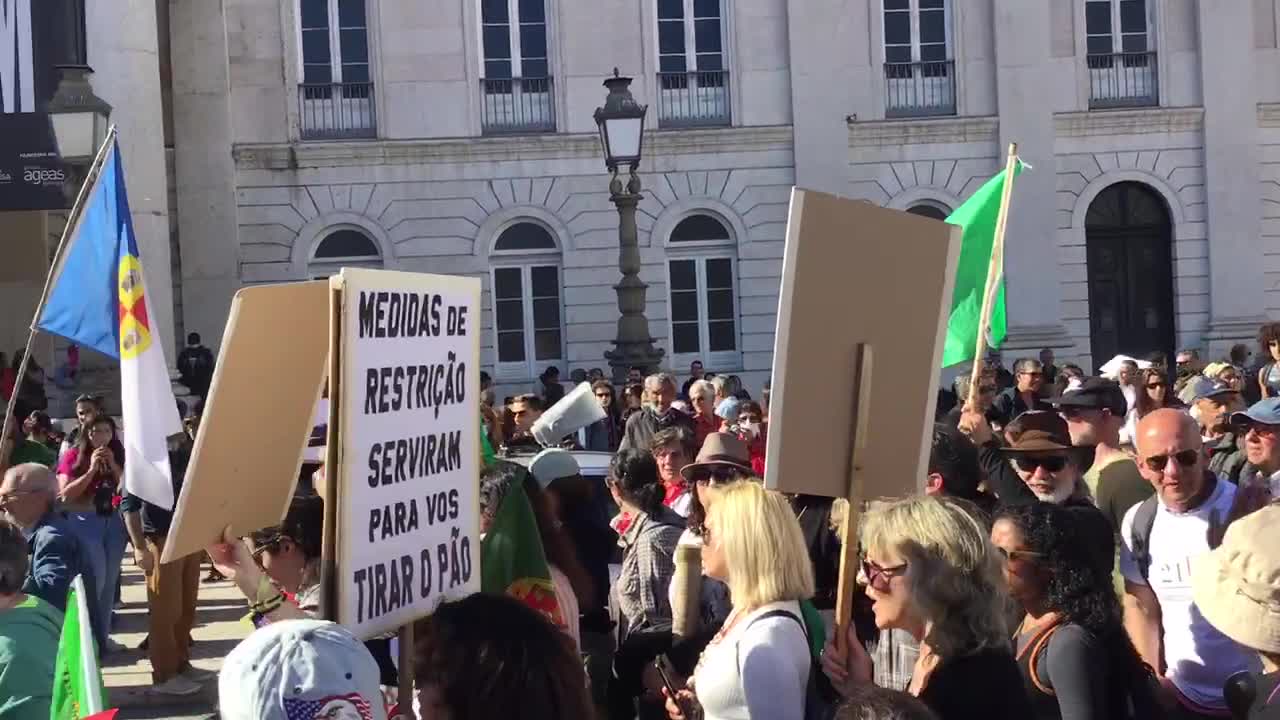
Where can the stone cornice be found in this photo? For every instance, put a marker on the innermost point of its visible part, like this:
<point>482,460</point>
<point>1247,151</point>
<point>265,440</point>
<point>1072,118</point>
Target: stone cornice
<point>916,131</point>
<point>1137,121</point>
<point>1268,115</point>
<point>658,143</point>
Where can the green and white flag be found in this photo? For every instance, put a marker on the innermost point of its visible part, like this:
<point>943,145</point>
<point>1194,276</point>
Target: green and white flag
<point>77,679</point>
<point>978,217</point>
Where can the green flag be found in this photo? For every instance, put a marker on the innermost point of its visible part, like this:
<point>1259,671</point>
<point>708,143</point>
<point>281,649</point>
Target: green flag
<point>77,679</point>
<point>511,557</point>
<point>978,218</point>
<point>487,456</point>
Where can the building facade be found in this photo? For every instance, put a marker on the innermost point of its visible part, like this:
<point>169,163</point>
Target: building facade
<point>458,137</point>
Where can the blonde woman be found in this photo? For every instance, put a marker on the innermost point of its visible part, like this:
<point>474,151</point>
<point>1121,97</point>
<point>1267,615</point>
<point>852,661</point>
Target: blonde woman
<point>931,570</point>
<point>757,666</point>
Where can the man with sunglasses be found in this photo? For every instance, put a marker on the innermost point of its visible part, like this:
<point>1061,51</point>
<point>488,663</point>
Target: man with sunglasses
<point>1162,540</point>
<point>1260,428</point>
<point>1095,413</point>
<point>1023,396</point>
<point>1215,403</point>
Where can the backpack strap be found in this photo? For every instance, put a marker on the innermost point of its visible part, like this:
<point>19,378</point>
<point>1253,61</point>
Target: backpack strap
<point>1038,646</point>
<point>1144,520</point>
<point>777,612</point>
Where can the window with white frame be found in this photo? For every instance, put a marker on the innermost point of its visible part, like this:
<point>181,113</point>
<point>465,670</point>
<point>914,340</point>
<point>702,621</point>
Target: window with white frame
<point>516,79</point>
<point>528,326</point>
<point>1119,53</point>
<point>693,78</point>
<point>917,31</point>
<point>701,269</point>
<point>343,247</point>
<point>1116,26</point>
<point>334,50</point>
<point>335,42</point>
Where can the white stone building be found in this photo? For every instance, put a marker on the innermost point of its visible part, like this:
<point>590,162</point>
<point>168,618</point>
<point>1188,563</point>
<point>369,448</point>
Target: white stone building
<point>457,137</point>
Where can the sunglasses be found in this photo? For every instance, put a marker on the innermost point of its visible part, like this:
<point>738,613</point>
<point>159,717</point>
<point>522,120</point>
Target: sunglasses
<point>1156,385</point>
<point>1051,463</point>
<point>879,576</point>
<point>714,475</point>
<point>271,544</point>
<point>1184,458</point>
<point>1259,428</point>
<point>1017,554</point>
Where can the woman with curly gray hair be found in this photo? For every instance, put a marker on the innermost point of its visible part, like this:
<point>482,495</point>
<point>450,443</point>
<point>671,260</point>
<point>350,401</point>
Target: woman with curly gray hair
<point>931,570</point>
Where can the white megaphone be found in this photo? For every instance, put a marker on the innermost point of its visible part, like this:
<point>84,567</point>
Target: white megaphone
<point>576,410</point>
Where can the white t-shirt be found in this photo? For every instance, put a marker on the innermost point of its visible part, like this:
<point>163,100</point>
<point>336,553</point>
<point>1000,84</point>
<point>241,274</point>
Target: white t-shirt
<point>1199,658</point>
<point>759,669</point>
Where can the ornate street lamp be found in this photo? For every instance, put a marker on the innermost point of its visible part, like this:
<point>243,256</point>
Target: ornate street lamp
<point>621,123</point>
<point>78,115</point>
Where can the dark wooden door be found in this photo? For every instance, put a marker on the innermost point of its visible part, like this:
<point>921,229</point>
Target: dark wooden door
<point>1130,265</point>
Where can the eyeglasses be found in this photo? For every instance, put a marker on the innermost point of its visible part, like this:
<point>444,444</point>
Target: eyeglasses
<point>271,544</point>
<point>714,474</point>
<point>1017,554</point>
<point>1051,463</point>
<point>879,576</point>
<point>1185,458</point>
<point>1259,428</point>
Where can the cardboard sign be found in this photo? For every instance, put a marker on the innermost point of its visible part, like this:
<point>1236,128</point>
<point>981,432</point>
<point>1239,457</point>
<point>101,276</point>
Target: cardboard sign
<point>408,417</point>
<point>257,417</point>
<point>855,274</point>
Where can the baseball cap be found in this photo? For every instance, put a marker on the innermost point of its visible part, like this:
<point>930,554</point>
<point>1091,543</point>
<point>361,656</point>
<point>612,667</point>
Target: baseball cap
<point>728,409</point>
<point>1266,412</point>
<point>551,465</point>
<point>1206,388</point>
<point>1095,393</point>
<point>1041,432</point>
<point>300,670</point>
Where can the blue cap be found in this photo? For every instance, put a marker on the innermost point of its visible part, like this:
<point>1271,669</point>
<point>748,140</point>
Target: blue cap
<point>1206,388</point>
<point>1266,412</point>
<point>728,409</point>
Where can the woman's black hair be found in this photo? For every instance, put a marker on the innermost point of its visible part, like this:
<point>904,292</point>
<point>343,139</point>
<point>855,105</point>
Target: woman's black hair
<point>496,481</point>
<point>1076,586</point>
<point>303,525</point>
<point>635,474</point>
<point>492,656</point>
<point>1266,334</point>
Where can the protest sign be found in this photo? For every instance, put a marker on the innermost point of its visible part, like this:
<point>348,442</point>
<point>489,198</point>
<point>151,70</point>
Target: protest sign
<point>842,424</point>
<point>257,417</point>
<point>405,416</point>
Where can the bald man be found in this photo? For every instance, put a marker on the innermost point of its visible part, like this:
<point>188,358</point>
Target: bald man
<point>1162,538</point>
<point>26,497</point>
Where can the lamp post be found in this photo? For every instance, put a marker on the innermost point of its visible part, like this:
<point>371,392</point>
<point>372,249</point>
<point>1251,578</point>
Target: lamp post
<point>621,124</point>
<point>80,122</point>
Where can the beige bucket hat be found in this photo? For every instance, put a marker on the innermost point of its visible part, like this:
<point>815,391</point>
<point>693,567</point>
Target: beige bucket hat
<point>1237,586</point>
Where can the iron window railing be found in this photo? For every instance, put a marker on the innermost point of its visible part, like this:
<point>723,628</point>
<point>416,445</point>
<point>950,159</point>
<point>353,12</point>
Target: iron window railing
<point>517,105</point>
<point>1129,79</point>
<point>693,99</point>
<point>337,111</point>
<point>920,89</point>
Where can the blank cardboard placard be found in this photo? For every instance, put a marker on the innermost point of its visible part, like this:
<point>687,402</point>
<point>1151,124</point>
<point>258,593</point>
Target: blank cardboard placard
<point>258,416</point>
<point>856,273</point>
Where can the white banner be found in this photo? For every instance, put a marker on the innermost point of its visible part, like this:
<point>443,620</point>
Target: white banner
<point>408,528</point>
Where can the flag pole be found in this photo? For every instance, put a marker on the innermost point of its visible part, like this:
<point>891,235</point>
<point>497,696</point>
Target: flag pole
<point>994,271</point>
<point>73,218</point>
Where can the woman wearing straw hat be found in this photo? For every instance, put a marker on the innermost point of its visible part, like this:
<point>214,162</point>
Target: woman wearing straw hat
<point>1237,589</point>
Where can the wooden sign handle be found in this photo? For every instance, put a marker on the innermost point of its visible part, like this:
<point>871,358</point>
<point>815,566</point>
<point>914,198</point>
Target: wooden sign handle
<point>849,533</point>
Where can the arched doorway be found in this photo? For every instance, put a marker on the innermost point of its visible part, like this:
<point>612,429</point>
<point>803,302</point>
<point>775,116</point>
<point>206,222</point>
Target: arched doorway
<point>1129,243</point>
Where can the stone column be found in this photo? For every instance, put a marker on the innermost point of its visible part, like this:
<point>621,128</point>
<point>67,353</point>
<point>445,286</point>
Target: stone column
<point>1024,88</point>
<point>123,51</point>
<point>204,167</point>
<point>1237,299</point>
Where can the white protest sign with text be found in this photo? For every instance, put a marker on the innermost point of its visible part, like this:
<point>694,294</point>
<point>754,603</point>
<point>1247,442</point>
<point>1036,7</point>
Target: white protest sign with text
<point>408,492</point>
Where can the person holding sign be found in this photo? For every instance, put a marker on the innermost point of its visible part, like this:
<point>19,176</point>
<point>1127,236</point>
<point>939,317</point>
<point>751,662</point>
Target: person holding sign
<point>931,570</point>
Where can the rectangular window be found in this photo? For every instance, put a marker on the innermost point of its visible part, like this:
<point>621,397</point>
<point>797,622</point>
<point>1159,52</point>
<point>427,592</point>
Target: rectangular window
<point>917,31</point>
<point>703,309</point>
<point>514,38</point>
<point>335,97</point>
<point>1120,54</point>
<point>690,36</point>
<point>527,318</point>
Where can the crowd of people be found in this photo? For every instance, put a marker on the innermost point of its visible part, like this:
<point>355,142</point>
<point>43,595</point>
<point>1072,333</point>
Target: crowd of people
<point>1081,548</point>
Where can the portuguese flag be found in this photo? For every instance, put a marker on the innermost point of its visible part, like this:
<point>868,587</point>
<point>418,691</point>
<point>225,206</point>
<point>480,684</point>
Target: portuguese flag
<point>511,557</point>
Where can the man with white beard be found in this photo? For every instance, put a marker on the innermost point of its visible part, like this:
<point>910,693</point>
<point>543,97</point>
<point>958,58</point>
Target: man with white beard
<point>1037,463</point>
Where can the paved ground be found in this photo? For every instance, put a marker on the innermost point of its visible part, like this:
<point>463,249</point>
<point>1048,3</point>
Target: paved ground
<point>219,627</point>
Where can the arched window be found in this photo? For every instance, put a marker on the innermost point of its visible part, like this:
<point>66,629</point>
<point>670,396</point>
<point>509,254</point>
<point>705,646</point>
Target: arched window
<point>701,274</point>
<point>937,211</point>
<point>528,321</point>
<point>343,247</point>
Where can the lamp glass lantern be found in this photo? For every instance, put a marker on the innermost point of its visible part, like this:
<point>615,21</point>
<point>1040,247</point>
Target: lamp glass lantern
<point>621,124</point>
<point>80,118</point>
